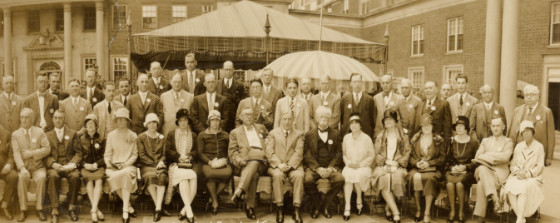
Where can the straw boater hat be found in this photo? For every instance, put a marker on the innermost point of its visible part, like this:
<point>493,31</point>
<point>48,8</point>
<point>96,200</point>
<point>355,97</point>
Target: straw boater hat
<point>152,117</point>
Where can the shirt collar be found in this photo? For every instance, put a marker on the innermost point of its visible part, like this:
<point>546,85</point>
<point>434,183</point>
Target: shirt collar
<point>210,94</point>
<point>61,130</point>
<point>359,94</point>
<point>323,94</point>
<point>92,89</point>
<point>534,106</point>
<point>488,104</point>
<point>409,96</point>
<point>284,130</point>
<point>8,95</point>
<point>143,94</point>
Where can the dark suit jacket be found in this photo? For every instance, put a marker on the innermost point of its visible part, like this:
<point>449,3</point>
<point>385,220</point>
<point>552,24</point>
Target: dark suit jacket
<point>6,154</point>
<point>199,87</point>
<point>98,96</point>
<point>69,137</point>
<point>51,105</point>
<point>138,111</point>
<point>199,111</point>
<point>366,108</point>
<point>61,94</point>
<point>310,152</point>
<point>234,95</point>
<point>162,87</point>
<point>273,97</point>
<point>91,155</point>
<point>171,154</point>
<point>479,125</point>
<point>441,114</point>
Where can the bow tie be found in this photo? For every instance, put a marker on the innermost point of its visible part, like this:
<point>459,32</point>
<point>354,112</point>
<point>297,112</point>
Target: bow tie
<point>323,130</point>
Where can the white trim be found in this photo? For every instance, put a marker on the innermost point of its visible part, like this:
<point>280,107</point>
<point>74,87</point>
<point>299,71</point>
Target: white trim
<point>552,5</point>
<point>447,69</point>
<point>420,37</point>
<point>411,71</point>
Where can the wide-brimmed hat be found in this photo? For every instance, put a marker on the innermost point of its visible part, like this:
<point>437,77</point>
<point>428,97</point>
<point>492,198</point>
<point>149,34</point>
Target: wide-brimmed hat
<point>91,117</point>
<point>152,117</point>
<point>463,120</point>
<point>182,113</point>
<point>214,114</point>
<point>426,119</point>
<point>526,124</point>
<point>122,113</point>
<point>390,113</point>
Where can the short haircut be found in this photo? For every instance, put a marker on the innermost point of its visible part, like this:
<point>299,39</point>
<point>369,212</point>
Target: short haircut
<point>435,83</point>
<point>459,76</point>
<point>123,79</point>
<point>256,80</point>
<point>142,74</point>
<point>406,81</point>
<point>74,80</point>
<point>176,74</point>
<point>292,80</point>
<point>356,74</point>
<point>60,111</point>
<point>267,69</point>
<point>27,111</point>
<point>323,110</point>
<point>327,77</point>
<point>288,112</point>
<point>7,77</point>
<point>190,55</point>
<point>155,62</point>
<point>91,69</point>
<point>499,118</point>
<point>54,74</point>
<point>208,74</point>
<point>486,87</point>
<point>42,74</point>
<point>530,89</point>
<point>109,83</point>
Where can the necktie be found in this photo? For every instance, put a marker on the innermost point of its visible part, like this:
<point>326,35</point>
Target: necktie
<point>227,83</point>
<point>286,134</point>
<point>211,105</point>
<point>89,94</point>
<point>191,82</point>
<point>124,101</point>
<point>59,135</point>
<point>461,100</point>
<point>109,107</point>
<point>291,104</point>
<point>530,113</point>
<point>176,99</point>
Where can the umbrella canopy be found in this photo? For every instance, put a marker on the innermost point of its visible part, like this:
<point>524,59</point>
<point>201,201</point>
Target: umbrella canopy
<point>314,64</point>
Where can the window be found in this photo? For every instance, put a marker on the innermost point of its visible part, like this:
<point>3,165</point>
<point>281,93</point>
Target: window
<point>455,35</point>
<point>59,20</point>
<point>555,24</point>
<point>33,21</point>
<point>120,67</point>
<point>450,72</point>
<point>2,68</point>
<point>2,25</point>
<point>207,8</point>
<point>329,9</point>
<point>89,62</point>
<point>89,18</point>
<point>179,13</point>
<point>149,17</point>
<point>119,16</point>
<point>416,74</point>
<point>365,9</point>
<point>417,40</point>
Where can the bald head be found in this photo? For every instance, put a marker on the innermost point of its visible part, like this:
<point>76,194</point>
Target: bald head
<point>386,83</point>
<point>228,69</point>
<point>306,85</point>
<point>406,87</point>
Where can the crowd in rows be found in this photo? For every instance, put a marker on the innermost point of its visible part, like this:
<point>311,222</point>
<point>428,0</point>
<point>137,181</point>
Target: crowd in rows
<point>189,128</point>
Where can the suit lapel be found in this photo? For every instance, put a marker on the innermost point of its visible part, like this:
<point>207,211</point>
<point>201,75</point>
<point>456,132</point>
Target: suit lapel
<point>204,101</point>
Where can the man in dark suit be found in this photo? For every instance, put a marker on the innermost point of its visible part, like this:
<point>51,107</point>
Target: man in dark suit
<point>10,105</point>
<point>143,103</point>
<point>322,158</point>
<point>327,98</point>
<point>192,77</point>
<point>204,103</point>
<point>270,93</point>
<point>482,114</point>
<point>54,87</point>
<point>124,91</point>
<point>436,107</point>
<point>360,102</point>
<point>43,103</point>
<point>62,162</point>
<point>261,108</point>
<point>92,93</point>
<point>8,173</point>
<point>157,84</point>
<point>233,90</point>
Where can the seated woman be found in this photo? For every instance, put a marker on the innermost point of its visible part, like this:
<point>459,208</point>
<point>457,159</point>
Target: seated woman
<point>389,176</point>
<point>524,186</point>
<point>212,150</point>
<point>358,155</point>
<point>427,159</point>
<point>92,148</point>
<point>460,170</point>
<point>179,154</point>
<point>120,155</point>
<point>151,158</point>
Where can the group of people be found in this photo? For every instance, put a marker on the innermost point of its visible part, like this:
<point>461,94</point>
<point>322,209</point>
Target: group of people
<point>192,128</point>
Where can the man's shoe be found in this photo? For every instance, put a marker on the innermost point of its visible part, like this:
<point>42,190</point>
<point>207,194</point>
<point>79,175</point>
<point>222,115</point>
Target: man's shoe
<point>73,215</point>
<point>297,216</point>
<point>326,213</point>
<point>165,213</point>
<point>250,212</point>
<point>157,216</point>
<point>315,214</point>
<point>7,213</point>
<point>280,214</point>
<point>21,216</point>
<point>41,216</point>
<point>54,218</point>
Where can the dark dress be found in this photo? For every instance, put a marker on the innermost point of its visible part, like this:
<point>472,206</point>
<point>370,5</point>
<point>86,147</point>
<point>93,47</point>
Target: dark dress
<point>435,156</point>
<point>461,153</point>
<point>151,151</point>
<point>209,147</point>
<point>92,150</point>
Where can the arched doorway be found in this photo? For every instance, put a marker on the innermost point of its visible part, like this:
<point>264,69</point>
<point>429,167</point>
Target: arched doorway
<point>52,67</point>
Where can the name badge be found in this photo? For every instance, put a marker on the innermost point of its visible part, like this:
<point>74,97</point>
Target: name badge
<point>496,112</point>
<point>325,103</point>
<point>349,106</point>
<point>13,103</point>
<point>330,142</point>
<point>94,99</point>
<point>433,108</point>
<point>148,100</point>
<point>468,104</point>
<point>96,145</point>
<point>66,137</point>
<point>197,80</point>
<point>161,87</point>
<point>216,104</point>
<point>538,117</point>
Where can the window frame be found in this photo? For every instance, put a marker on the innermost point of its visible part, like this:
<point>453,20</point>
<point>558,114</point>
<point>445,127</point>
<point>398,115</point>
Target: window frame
<point>115,22</point>
<point>126,66</point>
<point>202,8</point>
<point>417,84</point>
<point>91,19</point>
<point>146,26</point>
<point>458,22</point>
<point>176,19</point>
<point>85,64</point>
<point>551,43</point>
<point>420,40</point>
<point>37,23</point>
<point>447,73</point>
<point>59,12</point>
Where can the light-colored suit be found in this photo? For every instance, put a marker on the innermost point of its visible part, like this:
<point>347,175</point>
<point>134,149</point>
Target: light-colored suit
<point>543,120</point>
<point>51,105</point>
<point>497,152</point>
<point>456,109</point>
<point>75,114</point>
<point>481,119</point>
<point>332,101</point>
<point>106,123</point>
<point>407,110</point>
<point>172,105</point>
<point>289,151</point>
<point>9,112</point>
<point>301,113</point>
<point>30,147</point>
<point>394,102</point>
<point>265,119</point>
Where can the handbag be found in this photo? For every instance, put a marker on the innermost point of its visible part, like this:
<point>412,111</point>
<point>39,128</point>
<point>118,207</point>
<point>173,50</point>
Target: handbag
<point>185,165</point>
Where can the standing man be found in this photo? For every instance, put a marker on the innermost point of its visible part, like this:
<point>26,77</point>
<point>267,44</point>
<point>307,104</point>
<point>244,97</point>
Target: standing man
<point>262,109</point>
<point>358,102</point>
<point>44,103</point>
<point>284,151</point>
<point>270,93</point>
<point>157,84</point>
<point>105,110</point>
<point>233,90</point>
<point>75,107</point>
<point>435,107</point>
<point>385,100</point>
<point>204,103</point>
<point>141,104</point>
<point>10,105</point>
<point>328,99</point>
<point>483,113</point>
<point>192,77</point>
<point>173,100</point>
<point>124,91</point>
<point>30,146</point>
<point>63,162</point>
<point>445,91</point>
<point>295,104</point>
<point>92,93</point>
<point>7,173</point>
<point>54,89</point>
<point>322,160</point>
<point>409,105</point>
<point>462,102</point>
<point>542,118</point>
<point>306,87</point>
<point>247,156</point>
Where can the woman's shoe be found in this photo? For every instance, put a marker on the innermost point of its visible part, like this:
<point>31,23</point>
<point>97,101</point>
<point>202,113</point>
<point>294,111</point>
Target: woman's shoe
<point>396,218</point>
<point>418,217</point>
<point>126,219</point>
<point>94,217</point>
<point>214,211</point>
<point>181,217</point>
<point>360,208</point>
<point>346,215</point>
<point>389,216</point>
<point>427,219</point>
<point>100,215</point>
<point>461,219</point>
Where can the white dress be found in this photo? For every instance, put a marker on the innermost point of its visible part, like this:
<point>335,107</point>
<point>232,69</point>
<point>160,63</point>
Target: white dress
<point>358,150</point>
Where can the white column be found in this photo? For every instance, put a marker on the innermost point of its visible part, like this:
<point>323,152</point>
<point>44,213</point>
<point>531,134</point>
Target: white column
<point>508,74</point>
<point>493,45</point>
<point>8,41</point>
<point>100,47</point>
<point>68,41</point>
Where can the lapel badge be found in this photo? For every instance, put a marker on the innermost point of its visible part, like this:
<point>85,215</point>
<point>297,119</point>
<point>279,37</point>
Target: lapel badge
<point>51,111</point>
<point>538,117</point>
<point>496,112</point>
<point>216,104</point>
<point>433,108</point>
<point>349,106</point>
<point>325,103</point>
<point>148,100</point>
<point>66,137</point>
<point>94,99</point>
<point>13,103</point>
<point>33,140</point>
<point>96,145</point>
<point>330,142</point>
